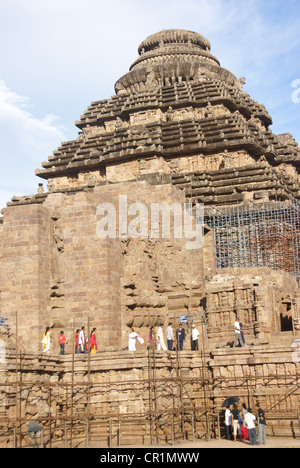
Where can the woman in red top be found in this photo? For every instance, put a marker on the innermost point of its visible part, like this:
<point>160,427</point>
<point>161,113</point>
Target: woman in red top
<point>93,342</point>
<point>76,340</point>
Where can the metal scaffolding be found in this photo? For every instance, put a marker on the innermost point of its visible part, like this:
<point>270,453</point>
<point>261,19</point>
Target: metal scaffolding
<point>263,234</point>
<point>191,411</point>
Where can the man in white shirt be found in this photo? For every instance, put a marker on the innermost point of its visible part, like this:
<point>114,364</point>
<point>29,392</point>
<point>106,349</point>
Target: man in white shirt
<point>238,336</point>
<point>228,422</point>
<point>132,340</point>
<point>81,342</point>
<point>249,419</point>
<point>194,339</point>
<point>170,336</point>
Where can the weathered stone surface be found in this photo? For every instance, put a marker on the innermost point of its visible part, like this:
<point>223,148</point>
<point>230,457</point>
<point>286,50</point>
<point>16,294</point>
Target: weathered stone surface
<point>179,129</point>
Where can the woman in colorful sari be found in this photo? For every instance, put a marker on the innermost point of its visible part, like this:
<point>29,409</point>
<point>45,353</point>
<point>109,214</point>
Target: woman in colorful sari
<point>93,342</point>
<point>76,340</point>
<point>244,411</point>
<point>46,340</point>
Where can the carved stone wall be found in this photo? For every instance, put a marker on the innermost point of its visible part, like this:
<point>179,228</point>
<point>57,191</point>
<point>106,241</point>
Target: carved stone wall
<point>265,301</point>
<point>116,395</point>
<point>68,273</point>
<point>25,270</point>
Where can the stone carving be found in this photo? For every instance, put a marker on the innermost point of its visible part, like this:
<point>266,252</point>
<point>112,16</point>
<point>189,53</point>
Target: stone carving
<point>240,83</point>
<point>40,189</point>
<point>151,81</point>
<point>59,240</point>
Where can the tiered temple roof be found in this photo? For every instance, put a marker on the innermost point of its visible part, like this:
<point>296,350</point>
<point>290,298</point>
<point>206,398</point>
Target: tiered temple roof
<point>177,101</point>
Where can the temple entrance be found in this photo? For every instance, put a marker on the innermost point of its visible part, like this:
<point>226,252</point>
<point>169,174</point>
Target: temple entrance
<point>286,320</point>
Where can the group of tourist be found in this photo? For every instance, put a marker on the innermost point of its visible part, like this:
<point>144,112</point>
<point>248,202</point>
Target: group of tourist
<point>82,342</point>
<point>159,339</point>
<point>179,335</point>
<point>241,422</point>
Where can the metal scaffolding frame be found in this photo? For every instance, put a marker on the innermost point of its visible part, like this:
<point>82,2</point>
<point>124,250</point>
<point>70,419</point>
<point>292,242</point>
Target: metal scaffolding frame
<point>74,427</point>
<point>265,234</point>
<point>191,416</point>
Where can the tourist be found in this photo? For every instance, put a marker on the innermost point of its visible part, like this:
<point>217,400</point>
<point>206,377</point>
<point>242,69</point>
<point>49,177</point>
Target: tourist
<point>93,343</point>
<point>228,422</point>
<point>132,340</point>
<point>194,339</point>
<point>62,341</point>
<point>238,336</point>
<point>46,341</point>
<point>170,336</point>
<point>236,422</point>
<point>150,339</point>
<point>82,342</point>
<point>161,346</point>
<point>76,340</point>
<point>261,425</point>
<point>243,412</point>
<point>249,420</point>
<point>242,333</point>
<point>180,337</point>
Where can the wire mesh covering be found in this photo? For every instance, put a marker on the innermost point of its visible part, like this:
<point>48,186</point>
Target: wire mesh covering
<point>263,234</point>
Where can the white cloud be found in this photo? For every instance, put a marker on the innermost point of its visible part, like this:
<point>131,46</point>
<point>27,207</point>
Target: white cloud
<point>25,140</point>
<point>35,134</point>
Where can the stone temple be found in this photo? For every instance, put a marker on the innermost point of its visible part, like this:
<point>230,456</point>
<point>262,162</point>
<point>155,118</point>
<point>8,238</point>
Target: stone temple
<point>180,129</point>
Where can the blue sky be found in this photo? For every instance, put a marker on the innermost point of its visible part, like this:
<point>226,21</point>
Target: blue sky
<point>57,56</point>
